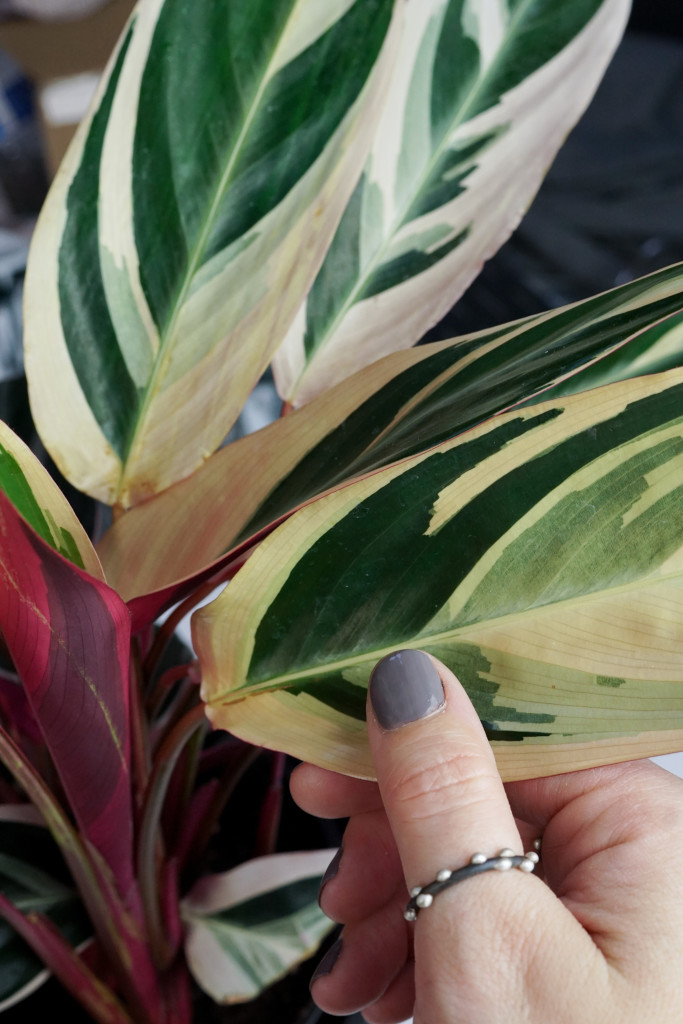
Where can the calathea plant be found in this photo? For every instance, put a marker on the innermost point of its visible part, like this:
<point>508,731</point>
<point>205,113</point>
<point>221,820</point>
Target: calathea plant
<point>310,184</point>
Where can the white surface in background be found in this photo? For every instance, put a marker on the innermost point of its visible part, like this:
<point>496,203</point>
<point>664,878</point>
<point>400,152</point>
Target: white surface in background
<point>66,100</point>
<point>183,631</point>
<point>46,10</point>
<point>672,762</point>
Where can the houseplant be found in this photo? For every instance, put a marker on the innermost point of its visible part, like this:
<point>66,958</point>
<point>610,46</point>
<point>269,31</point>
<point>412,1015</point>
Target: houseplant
<point>312,183</point>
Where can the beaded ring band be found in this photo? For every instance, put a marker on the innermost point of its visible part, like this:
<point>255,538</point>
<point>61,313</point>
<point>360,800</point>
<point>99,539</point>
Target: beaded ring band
<point>422,896</point>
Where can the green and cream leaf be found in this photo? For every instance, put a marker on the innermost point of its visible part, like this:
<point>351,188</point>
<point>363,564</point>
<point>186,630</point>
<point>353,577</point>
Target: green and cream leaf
<point>187,223</point>
<point>250,926</point>
<point>540,557</point>
<point>483,96</point>
<point>40,502</point>
<point>397,407</point>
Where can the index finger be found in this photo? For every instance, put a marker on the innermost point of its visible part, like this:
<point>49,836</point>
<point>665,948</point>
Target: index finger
<point>330,795</point>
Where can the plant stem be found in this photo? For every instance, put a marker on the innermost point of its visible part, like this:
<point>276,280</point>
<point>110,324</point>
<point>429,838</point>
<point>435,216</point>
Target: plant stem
<point>164,763</point>
<point>138,727</point>
<point>184,699</point>
<point>194,750</point>
<point>226,787</point>
<point>163,685</point>
<point>271,811</point>
<point>180,995</point>
<point>168,628</point>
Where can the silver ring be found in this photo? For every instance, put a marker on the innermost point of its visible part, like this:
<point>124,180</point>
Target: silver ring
<point>422,896</point>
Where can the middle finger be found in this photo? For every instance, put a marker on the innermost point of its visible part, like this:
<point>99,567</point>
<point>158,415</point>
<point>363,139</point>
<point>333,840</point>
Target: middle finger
<point>368,871</point>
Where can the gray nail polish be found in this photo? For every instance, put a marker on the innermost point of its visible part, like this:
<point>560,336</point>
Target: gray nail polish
<point>404,687</point>
<point>328,961</point>
<point>330,871</point>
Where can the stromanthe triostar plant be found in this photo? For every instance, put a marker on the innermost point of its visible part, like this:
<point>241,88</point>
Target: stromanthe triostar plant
<point>310,184</point>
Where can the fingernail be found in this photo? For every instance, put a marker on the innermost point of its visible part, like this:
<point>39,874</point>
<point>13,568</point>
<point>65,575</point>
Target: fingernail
<point>327,963</point>
<point>405,687</point>
<point>330,871</point>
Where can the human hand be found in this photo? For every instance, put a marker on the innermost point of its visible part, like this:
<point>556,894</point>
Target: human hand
<point>599,939</point>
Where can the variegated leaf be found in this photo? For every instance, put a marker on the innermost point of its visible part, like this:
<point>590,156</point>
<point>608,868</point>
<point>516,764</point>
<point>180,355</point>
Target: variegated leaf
<point>397,407</point>
<point>464,141</point>
<point>37,498</point>
<point>654,350</point>
<point>539,555</point>
<point>250,926</point>
<point>187,222</point>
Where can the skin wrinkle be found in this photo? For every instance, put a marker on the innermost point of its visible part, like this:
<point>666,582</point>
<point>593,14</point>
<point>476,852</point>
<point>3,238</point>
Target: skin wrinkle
<point>580,897</point>
<point>615,833</point>
<point>423,790</point>
<point>533,957</point>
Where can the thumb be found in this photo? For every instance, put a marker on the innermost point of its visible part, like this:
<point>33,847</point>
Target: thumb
<point>441,789</point>
<point>492,941</point>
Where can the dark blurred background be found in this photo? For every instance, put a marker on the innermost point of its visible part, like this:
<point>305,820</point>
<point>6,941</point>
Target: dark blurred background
<point>611,207</point>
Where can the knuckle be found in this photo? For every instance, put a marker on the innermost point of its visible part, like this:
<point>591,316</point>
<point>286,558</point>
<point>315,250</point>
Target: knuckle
<point>459,778</point>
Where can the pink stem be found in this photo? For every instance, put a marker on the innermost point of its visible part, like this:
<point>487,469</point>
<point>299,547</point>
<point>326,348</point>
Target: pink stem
<point>271,811</point>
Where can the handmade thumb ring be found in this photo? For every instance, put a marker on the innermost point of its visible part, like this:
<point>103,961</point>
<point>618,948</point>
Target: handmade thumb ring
<point>422,896</point>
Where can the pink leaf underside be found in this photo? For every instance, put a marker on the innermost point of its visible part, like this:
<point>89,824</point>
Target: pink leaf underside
<point>69,637</point>
<point>148,607</point>
<point>145,608</point>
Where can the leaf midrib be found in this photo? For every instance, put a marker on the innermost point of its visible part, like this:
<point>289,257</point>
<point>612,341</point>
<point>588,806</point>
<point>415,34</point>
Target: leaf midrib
<point>399,220</point>
<point>445,636</point>
<point>198,249</point>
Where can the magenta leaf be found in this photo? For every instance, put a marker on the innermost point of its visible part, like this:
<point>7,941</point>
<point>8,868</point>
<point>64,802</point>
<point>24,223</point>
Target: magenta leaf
<point>69,636</point>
